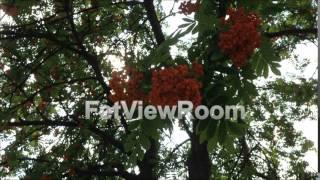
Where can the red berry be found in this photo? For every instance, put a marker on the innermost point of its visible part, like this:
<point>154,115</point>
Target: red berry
<point>189,7</point>
<point>242,38</point>
<point>174,84</point>
<point>126,85</point>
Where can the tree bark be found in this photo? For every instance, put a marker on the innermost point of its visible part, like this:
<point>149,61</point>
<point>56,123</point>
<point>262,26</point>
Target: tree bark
<point>198,161</point>
<point>149,162</point>
<point>154,21</point>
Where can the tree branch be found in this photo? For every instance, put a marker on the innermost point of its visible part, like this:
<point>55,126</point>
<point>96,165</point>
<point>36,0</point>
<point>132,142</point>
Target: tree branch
<point>31,97</point>
<point>91,59</point>
<point>127,2</point>
<point>154,21</point>
<point>38,123</point>
<point>108,139</point>
<point>175,149</point>
<point>292,32</point>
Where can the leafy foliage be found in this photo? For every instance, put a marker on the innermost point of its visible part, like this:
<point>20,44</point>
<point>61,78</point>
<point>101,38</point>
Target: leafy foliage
<point>56,54</point>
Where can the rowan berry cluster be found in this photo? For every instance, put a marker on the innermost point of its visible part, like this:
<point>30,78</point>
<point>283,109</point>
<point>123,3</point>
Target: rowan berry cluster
<point>197,69</point>
<point>168,85</point>
<point>176,83</point>
<point>188,7</point>
<point>242,38</point>
<point>126,85</point>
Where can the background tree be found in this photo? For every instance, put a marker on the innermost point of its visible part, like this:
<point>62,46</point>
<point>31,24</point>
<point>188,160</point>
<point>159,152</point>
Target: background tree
<point>55,55</point>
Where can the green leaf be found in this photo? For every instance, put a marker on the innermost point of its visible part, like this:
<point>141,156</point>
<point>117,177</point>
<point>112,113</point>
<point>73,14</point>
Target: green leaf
<point>202,125</point>
<point>265,57</point>
<point>195,30</point>
<point>224,178</point>
<point>145,142</point>
<point>212,128</point>
<point>188,20</point>
<point>134,125</point>
<point>236,129</point>
<point>259,66</point>
<point>189,29</point>
<point>203,137</point>
<point>275,70</point>
<point>150,128</point>
<point>222,132</point>
<point>265,71</point>
<point>184,25</point>
<point>212,143</point>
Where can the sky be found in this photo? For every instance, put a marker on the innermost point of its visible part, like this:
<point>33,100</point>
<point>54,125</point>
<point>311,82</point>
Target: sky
<point>307,126</point>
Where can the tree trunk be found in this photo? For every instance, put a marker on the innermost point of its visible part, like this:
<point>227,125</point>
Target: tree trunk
<point>149,162</point>
<point>198,161</point>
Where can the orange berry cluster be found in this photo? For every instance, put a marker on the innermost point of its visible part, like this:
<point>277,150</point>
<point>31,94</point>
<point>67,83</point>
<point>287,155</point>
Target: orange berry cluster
<point>168,86</point>
<point>197,69</point>
<point>189,7</point>
<point>126,85</point>
<point>176,83</point>
<point>240,41</point>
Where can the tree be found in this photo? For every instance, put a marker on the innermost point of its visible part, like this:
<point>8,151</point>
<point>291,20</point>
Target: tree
<point>58,54</point>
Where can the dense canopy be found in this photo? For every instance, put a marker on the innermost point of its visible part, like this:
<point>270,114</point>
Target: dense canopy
<point>57,54</point>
